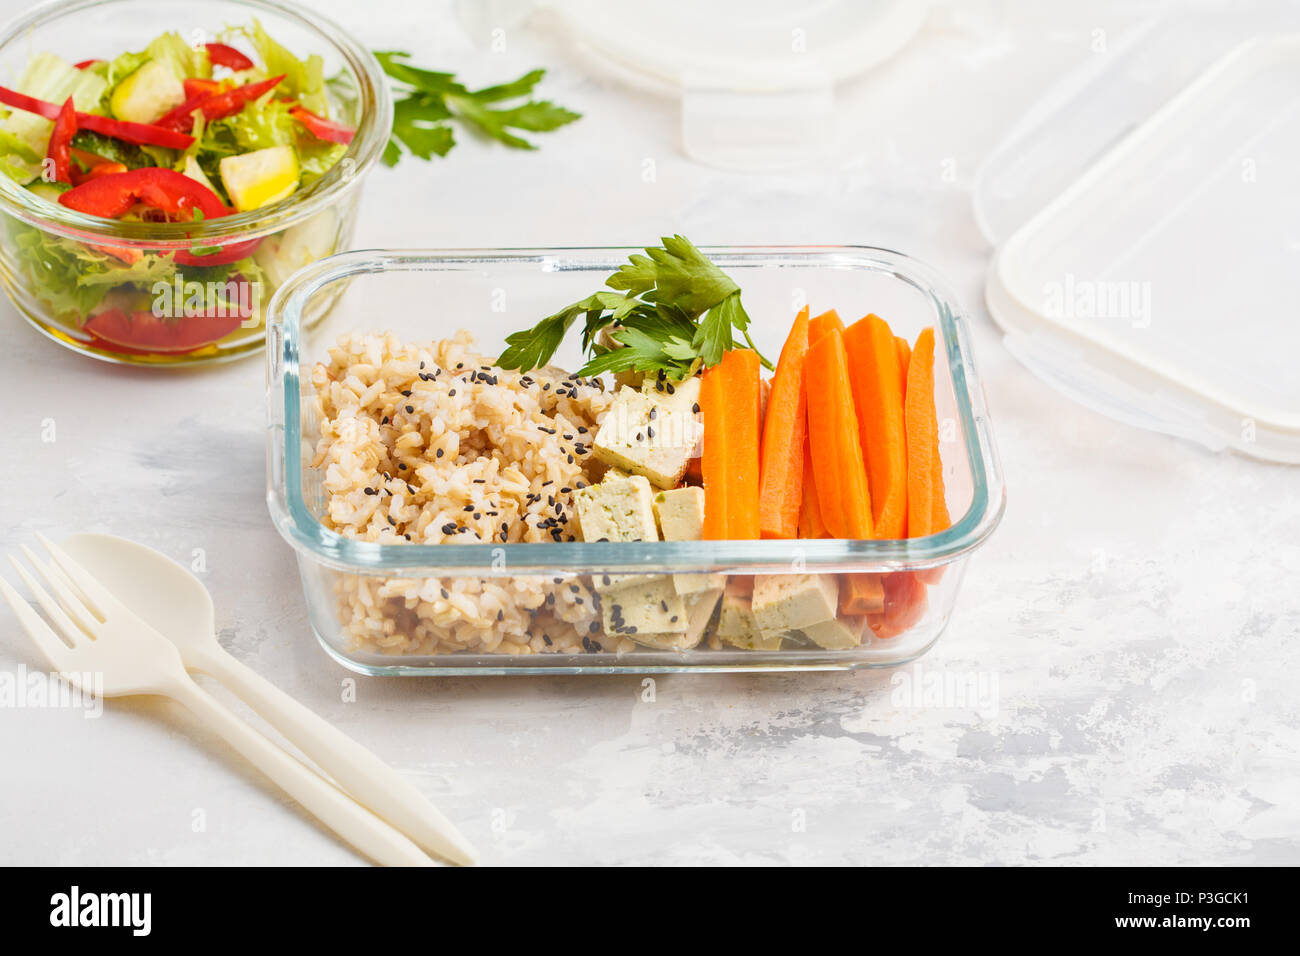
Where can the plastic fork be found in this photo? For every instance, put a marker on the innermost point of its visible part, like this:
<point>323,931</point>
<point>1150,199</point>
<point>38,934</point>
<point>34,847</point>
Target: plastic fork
<point>97,635</point>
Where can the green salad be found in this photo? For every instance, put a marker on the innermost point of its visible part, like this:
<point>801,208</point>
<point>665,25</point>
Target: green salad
<point>173,132</point>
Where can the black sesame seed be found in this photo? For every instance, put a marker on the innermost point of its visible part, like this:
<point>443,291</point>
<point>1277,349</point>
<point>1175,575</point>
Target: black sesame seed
<point>438,453</point>
<point>410,409</point>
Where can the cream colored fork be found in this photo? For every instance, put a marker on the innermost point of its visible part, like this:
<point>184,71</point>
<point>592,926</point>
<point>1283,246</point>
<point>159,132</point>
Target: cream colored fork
<point>102,639</point>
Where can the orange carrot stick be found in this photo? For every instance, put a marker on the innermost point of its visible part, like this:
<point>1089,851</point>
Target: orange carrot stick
<point>905,603</point>
<point>904,356</point>
<point>729,397</point>
<point>922,438</point>
<point>821,324</point>
<point>861,594</point>
<point>713,455</point>
<point>810,514</point>
<point>785,423</point>
<point>838,468</point>
<point>878,400</point>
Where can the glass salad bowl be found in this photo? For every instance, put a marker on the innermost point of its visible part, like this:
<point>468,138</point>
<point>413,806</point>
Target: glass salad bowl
<point>529,608</point>
<point>146,288</point>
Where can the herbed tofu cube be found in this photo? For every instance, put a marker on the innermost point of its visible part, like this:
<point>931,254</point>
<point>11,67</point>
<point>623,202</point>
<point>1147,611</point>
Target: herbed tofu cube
<point>736,625</point>
<point>680,512</point>
<point>617,509</point>
<point>793,602</point>
<point>647,606</point>
<point>838,633</point>
<point>652,434</point>
<point>699,612</point>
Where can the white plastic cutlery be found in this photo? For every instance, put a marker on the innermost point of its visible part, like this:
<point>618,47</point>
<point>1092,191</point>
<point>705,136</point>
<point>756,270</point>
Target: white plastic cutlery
<point>177,605</point>
<point>98,635</point>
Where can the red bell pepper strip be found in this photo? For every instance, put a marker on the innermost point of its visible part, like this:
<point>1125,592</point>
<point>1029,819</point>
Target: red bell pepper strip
<point>28,104</point>
<point>144,134</point>
<point>218,255</point>
<point>59,152</point>
<point>112,194</point>
<point>218,106</point>
<point>86,64</point>
<point>173,193</point>
<point>322,128</point>
<point>222,55</point>
<point>196,87</point>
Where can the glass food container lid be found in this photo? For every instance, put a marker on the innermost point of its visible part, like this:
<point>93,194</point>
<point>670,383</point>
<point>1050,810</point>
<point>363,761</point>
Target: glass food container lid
<point>755,77</point>
<point>1161,286</point>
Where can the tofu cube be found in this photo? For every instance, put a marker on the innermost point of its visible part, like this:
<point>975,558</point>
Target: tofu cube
<point>736,625</point>
<point>699,612</point>
<point>649,605</point>
<point>837,633</point>
<point>793,602</point>
<point>652,434</point>
<point>680,513</point>
<point>617,509</point>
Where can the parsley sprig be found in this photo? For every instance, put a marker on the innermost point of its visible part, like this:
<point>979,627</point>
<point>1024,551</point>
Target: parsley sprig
<point>428,101</point>
<point>672,310</point>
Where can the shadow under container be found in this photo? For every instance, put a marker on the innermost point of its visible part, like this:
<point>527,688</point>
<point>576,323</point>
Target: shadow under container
<point>79,278</point>
<point>385,609</point>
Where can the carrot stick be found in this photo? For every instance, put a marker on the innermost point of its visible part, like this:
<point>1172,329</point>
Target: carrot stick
<point>878,399</point>
<point>838,469</point>
<point>810,514</point>
<point>713,455</point>
<point>823,323</point>
<point>904,604</point>
<point>729,404</point>
<point>785,423</point>
<point>904,356</point>
<point>861,594</point>
<point>922,427</point>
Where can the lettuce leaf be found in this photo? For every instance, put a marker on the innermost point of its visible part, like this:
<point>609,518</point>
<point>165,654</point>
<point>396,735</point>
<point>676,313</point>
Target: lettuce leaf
<point>185,59</point>
<point>52,79</point>
<point>316,158</point>
<point>304,80</point>
<point>74,278</point>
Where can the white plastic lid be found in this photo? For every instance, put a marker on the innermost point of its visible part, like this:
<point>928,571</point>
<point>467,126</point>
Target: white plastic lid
<point>756,77</point>
<point>1161,287</point>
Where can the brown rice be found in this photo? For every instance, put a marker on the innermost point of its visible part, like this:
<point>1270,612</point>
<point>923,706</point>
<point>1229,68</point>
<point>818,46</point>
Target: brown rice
<point>429,443</point>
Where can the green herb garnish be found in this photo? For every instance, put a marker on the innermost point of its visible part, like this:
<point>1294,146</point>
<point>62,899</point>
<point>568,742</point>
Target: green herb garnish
<point>430,100</point>
<point>672,311</point>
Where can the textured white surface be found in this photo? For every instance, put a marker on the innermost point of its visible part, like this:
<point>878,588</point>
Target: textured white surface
<point>1137,609</point>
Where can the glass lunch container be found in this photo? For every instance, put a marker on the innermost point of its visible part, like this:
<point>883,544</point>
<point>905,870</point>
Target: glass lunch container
<point>377,607</point>
<point>180,293</point>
